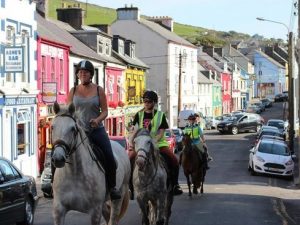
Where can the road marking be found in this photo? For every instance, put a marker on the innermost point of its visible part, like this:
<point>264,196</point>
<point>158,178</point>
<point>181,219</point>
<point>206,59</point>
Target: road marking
<point>280,210</point>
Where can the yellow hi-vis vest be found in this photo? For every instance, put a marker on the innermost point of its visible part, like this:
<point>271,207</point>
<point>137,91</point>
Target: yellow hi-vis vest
<point>155,123</point>
<point>194,133</point>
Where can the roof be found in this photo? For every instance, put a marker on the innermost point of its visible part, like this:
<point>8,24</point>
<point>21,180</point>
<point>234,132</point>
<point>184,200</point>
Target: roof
<point>208,62</point>
<point>167,34</point>
<point>59,32</point>
<point>270,59</point>
<point>131,61</point>
<point>202,79</point>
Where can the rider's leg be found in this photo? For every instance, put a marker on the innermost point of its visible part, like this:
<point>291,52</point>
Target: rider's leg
<point>100,138</point>
<point>202,155</point>
<point>174,168</point>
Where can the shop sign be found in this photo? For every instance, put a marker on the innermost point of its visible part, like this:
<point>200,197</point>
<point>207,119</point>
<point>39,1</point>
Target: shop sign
<point>13,59</point>
<point>49,92</point>
<point>20,101</point>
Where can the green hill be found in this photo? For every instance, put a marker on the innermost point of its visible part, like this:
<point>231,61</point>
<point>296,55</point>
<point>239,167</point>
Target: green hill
<point>197,35</point>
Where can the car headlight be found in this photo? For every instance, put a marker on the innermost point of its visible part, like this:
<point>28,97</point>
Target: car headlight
<point>290,162</point>
<point>260,159</point>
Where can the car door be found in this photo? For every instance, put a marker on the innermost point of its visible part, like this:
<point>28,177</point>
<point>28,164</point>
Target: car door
<point>243,123</point>
<point>253,122</point>
<point>12,199</point>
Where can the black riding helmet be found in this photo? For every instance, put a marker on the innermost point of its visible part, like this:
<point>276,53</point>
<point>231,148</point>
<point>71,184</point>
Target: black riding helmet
<point>85,65</point>
<point>151,95</point>
<point>192,117</point>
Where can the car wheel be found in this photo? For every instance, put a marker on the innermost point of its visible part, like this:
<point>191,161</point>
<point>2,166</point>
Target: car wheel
<point>258,128</point>
<point>253,173</point>
<point>234,130</point>
<point>29,214</point>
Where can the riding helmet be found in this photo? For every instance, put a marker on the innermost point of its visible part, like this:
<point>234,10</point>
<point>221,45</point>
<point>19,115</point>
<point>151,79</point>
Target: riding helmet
<point>192,117</point>
<point>85,65</point>
<point>151,95</point>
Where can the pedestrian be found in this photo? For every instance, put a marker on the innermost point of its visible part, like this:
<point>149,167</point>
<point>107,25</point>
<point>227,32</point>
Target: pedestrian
<point>197,136</point>
<point>148,118</point>
<point>90,100</point>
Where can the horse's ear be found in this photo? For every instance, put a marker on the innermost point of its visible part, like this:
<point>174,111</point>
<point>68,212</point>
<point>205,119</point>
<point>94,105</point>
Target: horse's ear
<point>71,108</point>
<point>56,107</point>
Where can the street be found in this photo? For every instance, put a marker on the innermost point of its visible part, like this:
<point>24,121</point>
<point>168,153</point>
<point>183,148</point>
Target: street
<point>231,195</point>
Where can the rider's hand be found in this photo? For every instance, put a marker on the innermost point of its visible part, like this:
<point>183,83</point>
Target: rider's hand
<point>94,123</point>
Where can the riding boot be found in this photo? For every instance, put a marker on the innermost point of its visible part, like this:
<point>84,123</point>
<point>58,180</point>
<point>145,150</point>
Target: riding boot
<point>111,183</point>
<point>176,188</point>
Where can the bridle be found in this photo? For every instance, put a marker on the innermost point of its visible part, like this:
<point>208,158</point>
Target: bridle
<point>69,149</point>
<point>147,159</point>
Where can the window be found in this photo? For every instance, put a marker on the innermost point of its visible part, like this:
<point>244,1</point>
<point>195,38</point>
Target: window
<point>107,48</point>
<point>43,69</point>
<point>119,89</point>
<point>192,59</point>
<point>10,33</point>
<point>24,35</point>
<point>100,46</point>
<point>9,173</point>
<point>121,47</point>
<point>52,69</point>
<point>184,58</point>
<point>61,75</point>
<point>132,49</point>
<point>23,120</point>
<point>176,57</point>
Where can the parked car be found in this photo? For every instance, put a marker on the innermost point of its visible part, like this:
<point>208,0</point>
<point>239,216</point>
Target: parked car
<point>179,134</point>
<point>46,177</point>
<point>260,105</point>
<point>280,98</point>
<point>183,117</point>
<point>271,156</point>
<point>208,123</point>
<point>269,132</point>
<point>216,120</point>
<point>171,138</point>
<point>280,124</point>
<point>253,109</point>
<point>240,123</point>
<point>267,102</point>
<point>18,195</point>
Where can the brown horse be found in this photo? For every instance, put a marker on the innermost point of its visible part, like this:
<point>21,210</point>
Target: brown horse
<point>192,166</point>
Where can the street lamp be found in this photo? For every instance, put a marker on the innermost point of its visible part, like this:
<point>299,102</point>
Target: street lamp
<point>290,81</point>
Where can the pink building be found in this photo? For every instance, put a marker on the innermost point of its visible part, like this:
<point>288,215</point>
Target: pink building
<point>226,92</point>
<point>114,123</point>
<point>52,81</point>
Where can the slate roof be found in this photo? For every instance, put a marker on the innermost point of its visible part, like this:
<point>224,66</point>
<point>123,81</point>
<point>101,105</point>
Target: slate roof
<point>208,62</point>
<point>131,61</point>
<point>202,79</point>
<point>270,59</point>
<point>167,34</point>
<point>59,32</point>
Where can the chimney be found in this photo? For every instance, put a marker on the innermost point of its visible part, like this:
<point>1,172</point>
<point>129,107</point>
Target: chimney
<point>164,21</point>
<point>128,13</point>
<point>72,15</point>
<point>106,28</point>
<point>42,8</point>
<point>208,50</point>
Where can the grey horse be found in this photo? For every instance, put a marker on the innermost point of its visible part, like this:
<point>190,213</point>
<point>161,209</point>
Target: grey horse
<point>79,182</point>
<point>153,193</point>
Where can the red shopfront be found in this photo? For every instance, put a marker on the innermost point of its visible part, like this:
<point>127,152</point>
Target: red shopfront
<point>53,76</point>
<point>115,122</point>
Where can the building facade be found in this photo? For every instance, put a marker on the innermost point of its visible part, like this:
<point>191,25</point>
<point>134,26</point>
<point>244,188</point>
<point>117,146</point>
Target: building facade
<point>18,84</point>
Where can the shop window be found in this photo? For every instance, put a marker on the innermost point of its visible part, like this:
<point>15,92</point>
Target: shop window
<point>23,120</point>
<point>10,33</point>
<point>61,75</point>
<point>43,69</point>
<point>52,69</point>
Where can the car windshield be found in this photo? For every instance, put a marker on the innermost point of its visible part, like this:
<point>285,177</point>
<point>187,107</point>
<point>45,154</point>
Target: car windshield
<point>277,124</point>
<point>273,148</point>
<point>270,132</point>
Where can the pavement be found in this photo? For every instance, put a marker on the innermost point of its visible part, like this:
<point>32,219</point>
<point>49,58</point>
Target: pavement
<point>296,161</point>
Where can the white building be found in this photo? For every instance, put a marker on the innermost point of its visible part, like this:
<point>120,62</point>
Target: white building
<point>162,50</point>
<point>18,84</point>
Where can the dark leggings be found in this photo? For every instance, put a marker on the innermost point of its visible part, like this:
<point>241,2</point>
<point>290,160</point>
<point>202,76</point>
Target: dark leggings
<point>100,138</point>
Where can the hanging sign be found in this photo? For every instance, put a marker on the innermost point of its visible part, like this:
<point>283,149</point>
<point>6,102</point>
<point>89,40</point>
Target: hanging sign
<point>49,92</point>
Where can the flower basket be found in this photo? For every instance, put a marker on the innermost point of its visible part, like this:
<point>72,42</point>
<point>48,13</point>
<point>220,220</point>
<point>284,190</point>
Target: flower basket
<point>113,105</point>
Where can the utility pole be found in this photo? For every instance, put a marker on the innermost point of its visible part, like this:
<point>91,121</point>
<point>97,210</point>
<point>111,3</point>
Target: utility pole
<point>179,86</point>
<point>291,92</point>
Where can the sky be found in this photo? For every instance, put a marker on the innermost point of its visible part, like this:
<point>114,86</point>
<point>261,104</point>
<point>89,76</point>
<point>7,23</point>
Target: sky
<point>221,15</point>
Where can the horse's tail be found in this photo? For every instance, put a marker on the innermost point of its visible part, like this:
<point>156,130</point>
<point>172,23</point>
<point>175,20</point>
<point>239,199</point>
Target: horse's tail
<point>124,206</point>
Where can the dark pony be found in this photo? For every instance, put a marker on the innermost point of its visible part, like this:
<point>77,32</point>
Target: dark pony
<point>192,166</point>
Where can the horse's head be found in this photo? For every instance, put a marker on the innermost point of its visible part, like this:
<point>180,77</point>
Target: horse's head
<point>186,139</point>
<point>144,147</point>
<point>64,132</point>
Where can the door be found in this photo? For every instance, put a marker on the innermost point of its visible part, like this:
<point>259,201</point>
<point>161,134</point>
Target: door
<point>243,123</point>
